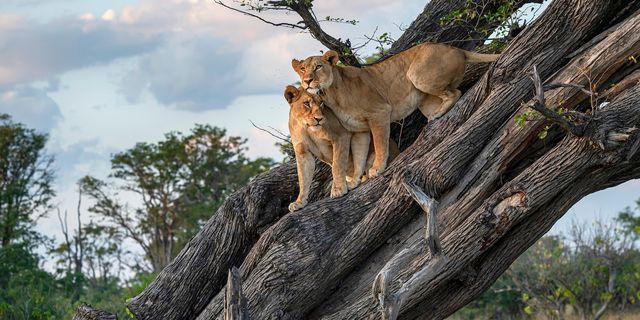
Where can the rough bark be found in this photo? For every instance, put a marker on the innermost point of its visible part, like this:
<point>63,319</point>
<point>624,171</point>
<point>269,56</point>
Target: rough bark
<point>187,284</point>
<point>304,257</point>
<point>86,312</point>
<point>499,189</point>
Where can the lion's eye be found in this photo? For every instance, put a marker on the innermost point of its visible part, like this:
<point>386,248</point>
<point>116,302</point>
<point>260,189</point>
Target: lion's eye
<point>302,69</point>
<point>318,67</point>
<point>306,105</point>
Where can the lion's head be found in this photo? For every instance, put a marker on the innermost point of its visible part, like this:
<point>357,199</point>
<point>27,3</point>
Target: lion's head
<point>316,71</point>
<point>306,108</point>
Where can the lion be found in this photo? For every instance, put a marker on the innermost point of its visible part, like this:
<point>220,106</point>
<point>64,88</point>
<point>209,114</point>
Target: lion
<point>423,77</point>
<point>317,133</point>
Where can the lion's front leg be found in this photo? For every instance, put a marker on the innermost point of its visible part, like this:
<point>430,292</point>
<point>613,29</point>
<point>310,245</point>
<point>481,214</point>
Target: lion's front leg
<point>339,166</point>
<point>380,130</point>
<point>359,150</point>
<point>306,166</point>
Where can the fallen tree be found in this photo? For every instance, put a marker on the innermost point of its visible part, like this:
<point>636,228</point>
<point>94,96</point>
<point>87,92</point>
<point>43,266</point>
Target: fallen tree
<point>498,187</point>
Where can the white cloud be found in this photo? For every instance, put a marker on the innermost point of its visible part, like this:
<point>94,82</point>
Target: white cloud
<point>108,15</point>
<point>37,51</point>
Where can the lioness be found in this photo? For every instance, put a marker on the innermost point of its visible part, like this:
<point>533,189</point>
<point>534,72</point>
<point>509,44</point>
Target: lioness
<point>425,76</point>
<point>317,133</point>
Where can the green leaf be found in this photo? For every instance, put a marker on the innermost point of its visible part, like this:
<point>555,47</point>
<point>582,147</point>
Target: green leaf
<point>528,310</point>
<point>543,134</point>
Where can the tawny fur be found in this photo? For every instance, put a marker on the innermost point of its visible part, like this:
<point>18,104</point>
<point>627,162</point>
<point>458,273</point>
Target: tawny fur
<point>424,77</point>
<point>317,133</point>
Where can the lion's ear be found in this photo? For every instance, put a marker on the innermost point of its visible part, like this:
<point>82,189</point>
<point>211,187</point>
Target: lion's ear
<point>295,64</point>
<point>291,94</point>
<point>331,56</point>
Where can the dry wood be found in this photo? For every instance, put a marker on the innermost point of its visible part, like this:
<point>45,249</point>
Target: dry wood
<point>235,305</point>
<point>390,303</point>
<point>538,105</point>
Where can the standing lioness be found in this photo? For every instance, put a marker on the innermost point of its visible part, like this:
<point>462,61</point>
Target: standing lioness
<point>317,133</point>
<point>425,77</point>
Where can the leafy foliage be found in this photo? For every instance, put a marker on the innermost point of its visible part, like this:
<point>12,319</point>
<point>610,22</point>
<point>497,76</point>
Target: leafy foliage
<point>25,180</point>
<point>179,183</point>
<point>594,270</point>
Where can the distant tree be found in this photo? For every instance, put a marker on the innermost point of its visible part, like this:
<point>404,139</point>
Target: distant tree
<point>630,220</point>
<point>90,257</point>
<point>179,182</point>
<point>25,180</point>
<point>592,270</point>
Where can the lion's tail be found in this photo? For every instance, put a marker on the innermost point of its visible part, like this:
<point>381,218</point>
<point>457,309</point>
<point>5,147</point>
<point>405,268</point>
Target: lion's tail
<point>479,57</point>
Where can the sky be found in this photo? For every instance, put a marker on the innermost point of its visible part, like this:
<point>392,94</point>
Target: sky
<point>99,76</point>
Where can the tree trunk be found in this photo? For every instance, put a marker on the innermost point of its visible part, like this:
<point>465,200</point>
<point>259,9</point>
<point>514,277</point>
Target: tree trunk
<point>499,189</point>
<point>428,26</point>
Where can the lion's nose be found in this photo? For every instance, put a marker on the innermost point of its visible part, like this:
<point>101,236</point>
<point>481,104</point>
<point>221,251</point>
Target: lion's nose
<point>308,81</point>
<point>318,119</point>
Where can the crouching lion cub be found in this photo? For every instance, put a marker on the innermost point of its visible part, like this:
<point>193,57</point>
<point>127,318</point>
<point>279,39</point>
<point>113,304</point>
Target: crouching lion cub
<point>424,77</point>
<point>317,133</point>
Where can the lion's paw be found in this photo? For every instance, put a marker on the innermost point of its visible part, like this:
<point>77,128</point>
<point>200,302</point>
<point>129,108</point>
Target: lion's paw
<point>297,205</point>
<point>338,191</point>
<point>375,171</point>
<point>352,183</point>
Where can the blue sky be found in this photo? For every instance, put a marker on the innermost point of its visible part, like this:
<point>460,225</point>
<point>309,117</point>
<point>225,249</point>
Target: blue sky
<point>99,76</point>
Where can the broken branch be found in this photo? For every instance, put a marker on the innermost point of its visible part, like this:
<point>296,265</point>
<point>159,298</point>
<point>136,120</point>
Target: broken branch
<point>235,305</point>
<point>390,303</point>
<point>538,104</point>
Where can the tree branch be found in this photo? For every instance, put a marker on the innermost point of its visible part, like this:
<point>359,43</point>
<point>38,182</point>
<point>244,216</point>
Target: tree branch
<point>309,22</point>
<point>343,48</point>
<point>235,305</point>
<point>276,24</point>
<point>389,303</point>
<point>538,104</point>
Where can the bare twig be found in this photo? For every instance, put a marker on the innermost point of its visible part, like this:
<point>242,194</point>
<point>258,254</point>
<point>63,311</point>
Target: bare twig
<point>309,22</point>
<point>538,104</point>
<point>556,85</point>
<point>283,137</point>
<point>276,24</point>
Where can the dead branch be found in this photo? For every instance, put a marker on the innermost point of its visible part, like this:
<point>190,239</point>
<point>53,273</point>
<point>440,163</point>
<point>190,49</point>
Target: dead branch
<point>282,136</point>
<point>235,305</point>
<point>538,104</point>
<point>390,303</point>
